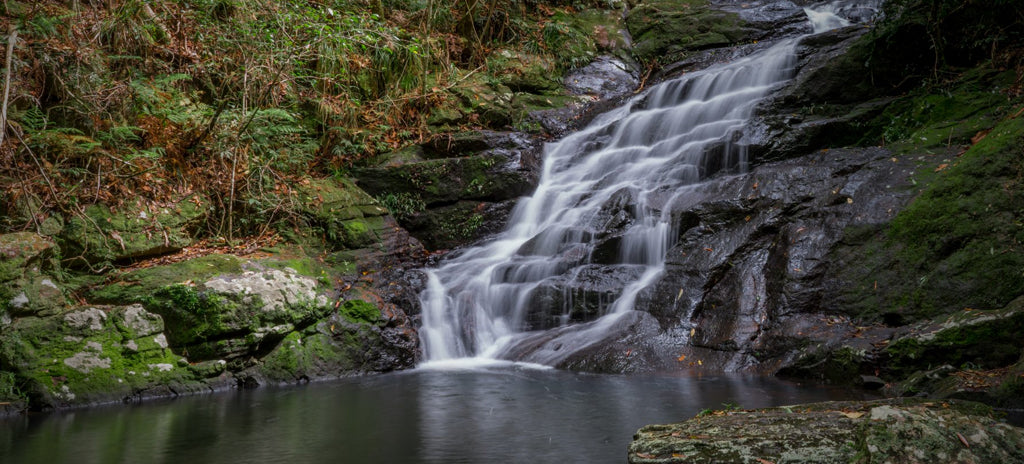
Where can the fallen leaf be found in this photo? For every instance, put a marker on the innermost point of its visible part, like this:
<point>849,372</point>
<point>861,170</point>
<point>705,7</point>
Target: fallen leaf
<point>764,461</point>
<point>963,440</point>
<point>645,455</point>
<point>853,415</point>
<point>681,358</point>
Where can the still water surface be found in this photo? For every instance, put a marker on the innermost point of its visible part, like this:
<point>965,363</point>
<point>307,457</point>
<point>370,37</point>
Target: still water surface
<point>495,415</point>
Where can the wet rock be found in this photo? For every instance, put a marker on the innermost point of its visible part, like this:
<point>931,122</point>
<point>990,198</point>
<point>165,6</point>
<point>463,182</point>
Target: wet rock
<point>767,20</point>
<point>101,235</point>
<point>871,382</point>
<point>748,270</point>
<point>835,432</point>
<point>624,342</point>
<point>604,78</point>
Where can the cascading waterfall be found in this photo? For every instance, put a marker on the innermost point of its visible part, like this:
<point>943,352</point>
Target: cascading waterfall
<point>629,162</point>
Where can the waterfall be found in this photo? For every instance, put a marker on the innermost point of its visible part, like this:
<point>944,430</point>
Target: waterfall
<point>618,172</point>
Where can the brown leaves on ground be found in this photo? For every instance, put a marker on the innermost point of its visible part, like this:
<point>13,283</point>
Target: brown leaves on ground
<point>248,246</point>
<point>973,379</point>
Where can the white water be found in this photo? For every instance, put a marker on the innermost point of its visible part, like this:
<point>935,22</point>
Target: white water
<point>628,163</point>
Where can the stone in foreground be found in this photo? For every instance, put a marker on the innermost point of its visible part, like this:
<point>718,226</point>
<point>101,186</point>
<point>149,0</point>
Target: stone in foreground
<point>894,430</point>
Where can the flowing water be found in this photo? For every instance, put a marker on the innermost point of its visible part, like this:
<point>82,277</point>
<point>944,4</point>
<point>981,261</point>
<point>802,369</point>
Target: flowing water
<point>618,173</point>
<point>506,415</point>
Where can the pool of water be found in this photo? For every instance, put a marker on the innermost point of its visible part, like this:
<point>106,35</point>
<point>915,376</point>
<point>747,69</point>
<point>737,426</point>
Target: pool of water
<point>508,414</point>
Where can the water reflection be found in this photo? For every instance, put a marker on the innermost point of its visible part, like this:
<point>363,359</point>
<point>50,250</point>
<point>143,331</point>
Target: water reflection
<point>507,415</point>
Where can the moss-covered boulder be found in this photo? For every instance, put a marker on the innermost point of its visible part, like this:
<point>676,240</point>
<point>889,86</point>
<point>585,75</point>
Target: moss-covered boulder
<point>523,72</point>
<point>231,316</point>
<point>486,103</point>
<point>358,338</point>
<point>100,235</point>
<point>222,306</point>
<point>29,276</point>
<point>481,177</point>
<point>973,338</point>
<point>93,354</point>
<point>665,31</point>
<point>345,216</point>
<point>835,432</point>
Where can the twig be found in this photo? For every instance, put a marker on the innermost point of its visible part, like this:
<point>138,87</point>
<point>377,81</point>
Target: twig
<point>39,165</point>
<point>7,81</point>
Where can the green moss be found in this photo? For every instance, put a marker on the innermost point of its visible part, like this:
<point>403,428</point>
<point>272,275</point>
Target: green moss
<point>308,355</point>
<point>668,30</point>
<point>101,235</point>
<point>840,365</point>
<point>962,235</point>
<point>359,311</point>
<point>933,116</point>
<point>992,340</point>
<point>957,244</point>
<point>61,364</point>
<point>139,285</point>
<point>192,316</point>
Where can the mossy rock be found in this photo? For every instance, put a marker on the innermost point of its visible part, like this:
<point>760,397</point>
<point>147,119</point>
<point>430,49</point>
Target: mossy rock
<point>665,31</point>
<point>441,181</point>
<point>101,235</point>
<point>27,210</point>
<point>840,365</point>
<point>957,245</point>
<point>339,346</point>
<point>485,102</point>
<point>900,430</point>
<point>342,213</point>
<point>222,306</point>
<point>230,316</point>
<point>139,285</point>
<point>359,311</point>
<point>91,354</point>
<point>335,200</point>
<point>975,338</point>
<point>577,37</point>
<point>449,226</point>
<point>29,275</point>
<point>523,72</point>
<point>306,356</point>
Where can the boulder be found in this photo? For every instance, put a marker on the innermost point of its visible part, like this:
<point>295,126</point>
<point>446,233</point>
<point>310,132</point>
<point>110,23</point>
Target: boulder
<point>95,354</point>
<point>29,276</point>
<point>665,31</point>
<point>101,235</point>
<point>907,431</point>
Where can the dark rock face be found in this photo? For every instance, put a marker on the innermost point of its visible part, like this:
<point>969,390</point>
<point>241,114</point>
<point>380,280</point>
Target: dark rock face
<point>835,432</point>
<point>750,274</point>
<point>455,189</point>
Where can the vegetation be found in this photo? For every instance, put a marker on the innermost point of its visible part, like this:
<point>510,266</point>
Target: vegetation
<point>235,100</point>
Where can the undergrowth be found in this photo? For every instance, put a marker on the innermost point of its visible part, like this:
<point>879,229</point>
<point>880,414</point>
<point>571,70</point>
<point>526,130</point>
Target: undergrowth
<point>133,100</point>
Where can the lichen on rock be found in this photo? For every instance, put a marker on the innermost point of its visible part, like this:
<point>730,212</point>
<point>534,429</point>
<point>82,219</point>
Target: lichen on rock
<point>909,430</point>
